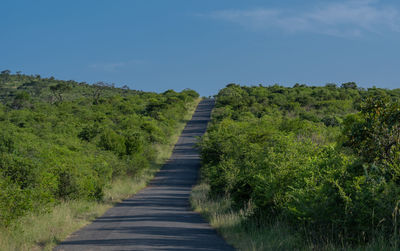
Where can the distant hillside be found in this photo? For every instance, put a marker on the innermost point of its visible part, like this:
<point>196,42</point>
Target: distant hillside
<point>53,90</point>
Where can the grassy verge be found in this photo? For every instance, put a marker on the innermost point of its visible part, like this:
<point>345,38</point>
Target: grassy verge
<point>237,231</point>
<point>246,233</point>
<point>44,231</point>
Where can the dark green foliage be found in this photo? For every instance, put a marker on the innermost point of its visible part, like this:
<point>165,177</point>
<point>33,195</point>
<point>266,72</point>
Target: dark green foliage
<point>21,100</point>
<point>89,132</point>
<point>62,140</point>
<point>110,140</point>
<point>349,85</point>
<point>325,159</point>
<point>375,132</point>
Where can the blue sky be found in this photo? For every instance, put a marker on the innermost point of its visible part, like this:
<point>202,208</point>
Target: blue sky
<point>155,45</point>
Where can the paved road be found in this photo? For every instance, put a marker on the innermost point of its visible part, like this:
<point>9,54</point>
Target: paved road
<point>159,216</point>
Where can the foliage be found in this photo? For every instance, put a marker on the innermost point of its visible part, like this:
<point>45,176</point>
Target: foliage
<point>374,134</point>
<point>73,148</point>
<point>325,159</point>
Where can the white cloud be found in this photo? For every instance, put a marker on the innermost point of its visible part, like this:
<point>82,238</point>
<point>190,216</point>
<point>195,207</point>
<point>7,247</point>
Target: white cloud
<point>345,18</point>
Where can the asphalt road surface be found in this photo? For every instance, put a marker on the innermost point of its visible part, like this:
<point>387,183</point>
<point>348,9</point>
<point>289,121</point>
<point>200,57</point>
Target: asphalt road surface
<point>158,217</point>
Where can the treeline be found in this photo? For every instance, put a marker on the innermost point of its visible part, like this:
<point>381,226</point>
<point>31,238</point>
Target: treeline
<point>324,160</point>
<point>62,140</point>
<point>20,89</point>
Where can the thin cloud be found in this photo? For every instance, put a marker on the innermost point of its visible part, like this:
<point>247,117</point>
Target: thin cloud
<point>349,18</point>
<point>114,66</point>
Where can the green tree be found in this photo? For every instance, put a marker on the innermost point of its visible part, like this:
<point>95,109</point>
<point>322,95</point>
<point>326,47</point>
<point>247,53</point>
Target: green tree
<point>21,100</point>
<point>98,90</point>
<point>58,91</point>
<point>349,85</point>
<point>5,76</point>
<point>374,134</point>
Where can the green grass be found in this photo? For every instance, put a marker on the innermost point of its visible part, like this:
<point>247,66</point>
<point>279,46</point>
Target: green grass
<point>232,225</point>
<point>253,234</point>
<point>44,231</point>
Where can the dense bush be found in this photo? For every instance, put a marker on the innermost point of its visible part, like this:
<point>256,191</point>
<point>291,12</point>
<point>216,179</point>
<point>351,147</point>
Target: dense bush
<point>325,159</point>
<point>63,140</point>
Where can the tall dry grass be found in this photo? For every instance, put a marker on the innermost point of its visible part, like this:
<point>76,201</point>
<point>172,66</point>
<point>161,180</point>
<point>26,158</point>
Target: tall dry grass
<point>255,234</point>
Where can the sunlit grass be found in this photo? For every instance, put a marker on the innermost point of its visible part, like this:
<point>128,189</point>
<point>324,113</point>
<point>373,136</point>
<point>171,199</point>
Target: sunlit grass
<point>37,232</point>
<point>44,231</point>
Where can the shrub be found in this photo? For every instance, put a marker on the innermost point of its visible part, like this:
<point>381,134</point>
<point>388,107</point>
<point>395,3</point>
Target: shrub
<point>111,141</point>
<point>73,148</point>
<point>334,181</point>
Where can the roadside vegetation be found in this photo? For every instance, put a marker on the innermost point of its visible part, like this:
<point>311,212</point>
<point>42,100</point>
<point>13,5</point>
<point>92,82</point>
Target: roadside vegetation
<point>69,150</point>
<point>303,167</point>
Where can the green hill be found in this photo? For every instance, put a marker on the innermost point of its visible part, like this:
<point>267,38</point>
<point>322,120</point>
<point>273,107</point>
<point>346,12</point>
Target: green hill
<point>63,140</point>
